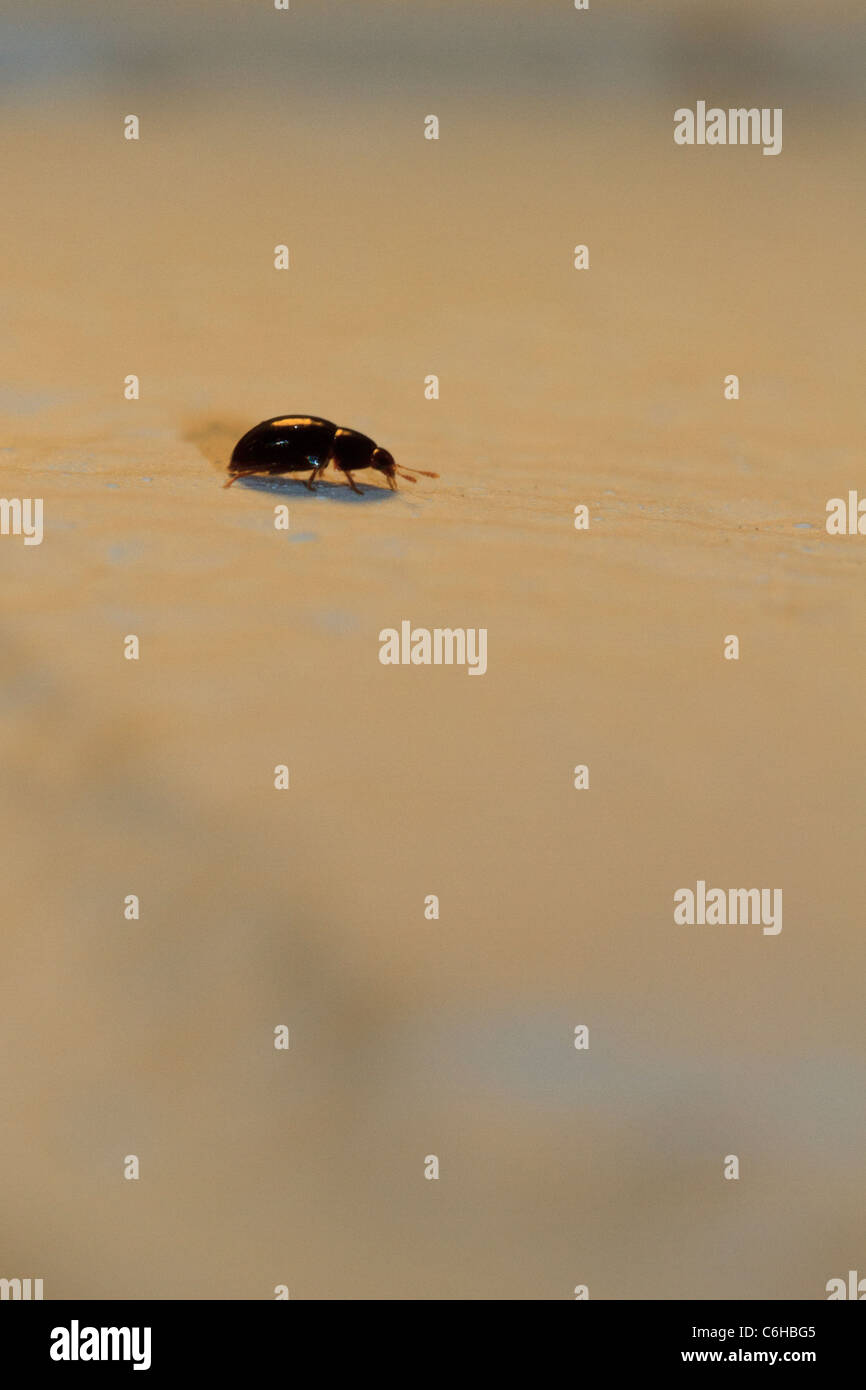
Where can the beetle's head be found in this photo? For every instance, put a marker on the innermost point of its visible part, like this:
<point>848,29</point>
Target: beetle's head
<point>384,462</point>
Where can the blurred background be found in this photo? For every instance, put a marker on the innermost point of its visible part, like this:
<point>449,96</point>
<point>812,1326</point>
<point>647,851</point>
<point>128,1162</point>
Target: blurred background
<point>258,647</point>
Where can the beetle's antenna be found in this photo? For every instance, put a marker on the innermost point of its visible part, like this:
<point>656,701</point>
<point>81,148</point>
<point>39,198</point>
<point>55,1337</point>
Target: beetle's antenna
<point>404,473</point>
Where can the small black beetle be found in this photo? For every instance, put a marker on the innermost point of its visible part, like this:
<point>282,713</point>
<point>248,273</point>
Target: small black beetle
<point>294,443</point>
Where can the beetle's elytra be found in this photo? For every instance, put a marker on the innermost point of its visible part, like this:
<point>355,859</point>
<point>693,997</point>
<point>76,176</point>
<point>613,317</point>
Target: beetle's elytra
<point>295,443</point>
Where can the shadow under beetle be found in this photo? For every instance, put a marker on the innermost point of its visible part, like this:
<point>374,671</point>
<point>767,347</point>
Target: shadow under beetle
<point>295,443</point>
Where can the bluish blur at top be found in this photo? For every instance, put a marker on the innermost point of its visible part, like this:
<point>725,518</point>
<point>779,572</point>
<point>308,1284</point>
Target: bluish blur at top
<point>762,52</point>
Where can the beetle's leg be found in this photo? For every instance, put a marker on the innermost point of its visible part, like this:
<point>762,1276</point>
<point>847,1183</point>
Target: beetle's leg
<point>352,484</point>
<point>318,469</point>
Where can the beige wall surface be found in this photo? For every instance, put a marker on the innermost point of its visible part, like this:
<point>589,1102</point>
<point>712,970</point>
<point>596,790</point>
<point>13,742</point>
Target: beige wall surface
<point>260,647</point>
